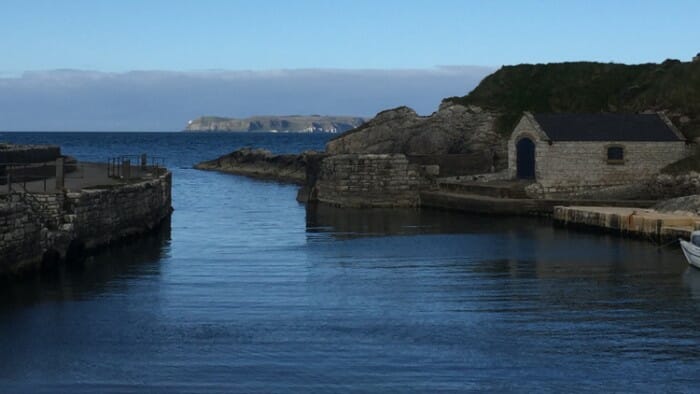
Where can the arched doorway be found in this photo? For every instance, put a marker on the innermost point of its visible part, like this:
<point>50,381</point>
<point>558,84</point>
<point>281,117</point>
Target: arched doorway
<point>525,159</point>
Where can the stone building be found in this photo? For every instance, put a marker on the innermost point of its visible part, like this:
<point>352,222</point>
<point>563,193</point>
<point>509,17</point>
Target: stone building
<point>565,153</point>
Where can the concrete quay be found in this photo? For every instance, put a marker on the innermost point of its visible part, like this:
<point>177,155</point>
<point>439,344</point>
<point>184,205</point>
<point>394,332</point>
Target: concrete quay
<point>628,221</point>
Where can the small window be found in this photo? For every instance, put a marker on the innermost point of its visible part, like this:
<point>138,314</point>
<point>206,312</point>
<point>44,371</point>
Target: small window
<point>616,155</point>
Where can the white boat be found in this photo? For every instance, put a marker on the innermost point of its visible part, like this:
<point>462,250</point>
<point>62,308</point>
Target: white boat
<point>691,249</point>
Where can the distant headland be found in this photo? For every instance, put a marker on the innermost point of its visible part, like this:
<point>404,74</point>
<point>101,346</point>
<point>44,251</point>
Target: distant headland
<point>292,123</point>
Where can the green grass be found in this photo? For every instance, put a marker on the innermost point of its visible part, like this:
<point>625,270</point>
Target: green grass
<point>587,87</point>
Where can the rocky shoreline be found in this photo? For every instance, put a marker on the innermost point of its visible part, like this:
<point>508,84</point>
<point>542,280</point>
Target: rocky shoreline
<point>261,164</point>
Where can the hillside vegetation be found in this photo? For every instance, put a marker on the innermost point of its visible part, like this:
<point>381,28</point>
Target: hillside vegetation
<point>672,87</point>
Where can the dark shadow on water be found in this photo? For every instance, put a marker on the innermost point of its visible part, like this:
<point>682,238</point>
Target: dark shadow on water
<point>348,223</point>
<point>138,257</point>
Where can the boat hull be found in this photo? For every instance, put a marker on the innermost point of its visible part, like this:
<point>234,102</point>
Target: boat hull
<point>692,253</point>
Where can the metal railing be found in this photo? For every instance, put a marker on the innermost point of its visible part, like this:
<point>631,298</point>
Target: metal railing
<point>128,166</point>
<point>23,173</point>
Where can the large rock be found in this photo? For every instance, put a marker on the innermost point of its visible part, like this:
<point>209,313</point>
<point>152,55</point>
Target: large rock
<point>686,204</point>
<point>452,129</point>
<point>671,186</point>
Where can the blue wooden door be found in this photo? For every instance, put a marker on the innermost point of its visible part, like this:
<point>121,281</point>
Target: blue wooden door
<point>525,150</point>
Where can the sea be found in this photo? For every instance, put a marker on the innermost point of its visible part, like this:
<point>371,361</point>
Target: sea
<point>247,290</point>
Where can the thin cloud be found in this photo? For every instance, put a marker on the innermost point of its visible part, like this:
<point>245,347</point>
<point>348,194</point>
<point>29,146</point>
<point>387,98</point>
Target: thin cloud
<point>152,100</point>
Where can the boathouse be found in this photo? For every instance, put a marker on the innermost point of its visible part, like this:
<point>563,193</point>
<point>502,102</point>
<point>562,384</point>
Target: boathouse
<point>565,153</point>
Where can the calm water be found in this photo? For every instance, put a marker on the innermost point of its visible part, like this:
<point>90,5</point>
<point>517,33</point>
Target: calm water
<point>249,291</point>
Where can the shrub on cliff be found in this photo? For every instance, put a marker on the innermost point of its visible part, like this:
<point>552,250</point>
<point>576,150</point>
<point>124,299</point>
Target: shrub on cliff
<point>672,86</point>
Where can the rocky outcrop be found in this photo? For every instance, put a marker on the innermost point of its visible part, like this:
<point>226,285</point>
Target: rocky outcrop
<point>669,186</point>
<point>686,204</point>
<point>659,187</point>
<point>261,163</point>
<point>294,123</point>
<point>453,129</point>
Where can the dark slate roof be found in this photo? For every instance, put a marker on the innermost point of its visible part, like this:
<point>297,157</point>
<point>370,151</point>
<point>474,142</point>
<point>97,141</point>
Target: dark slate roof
<point>605,127</point>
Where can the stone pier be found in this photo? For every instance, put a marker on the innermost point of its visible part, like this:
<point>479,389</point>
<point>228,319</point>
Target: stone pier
<point>635,222</point>
<point>42,225</point>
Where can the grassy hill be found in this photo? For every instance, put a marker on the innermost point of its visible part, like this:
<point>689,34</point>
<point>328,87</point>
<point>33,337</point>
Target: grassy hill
<point>672,87</point>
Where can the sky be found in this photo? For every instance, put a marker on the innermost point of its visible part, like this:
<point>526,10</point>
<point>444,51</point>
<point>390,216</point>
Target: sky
<point>58,56</point>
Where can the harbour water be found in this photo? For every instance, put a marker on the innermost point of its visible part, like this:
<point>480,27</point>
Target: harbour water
<point>249,291</point>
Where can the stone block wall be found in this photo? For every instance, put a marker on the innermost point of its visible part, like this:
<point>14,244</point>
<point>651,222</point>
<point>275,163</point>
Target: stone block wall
<point>569,165</point>
<point>20,236</point>
<point>98,217</point>
<point>32,226</point>
<point>367,180</point>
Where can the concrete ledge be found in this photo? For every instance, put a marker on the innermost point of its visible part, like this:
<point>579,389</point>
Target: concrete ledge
<point>508,206</point>
<point>636,222</point>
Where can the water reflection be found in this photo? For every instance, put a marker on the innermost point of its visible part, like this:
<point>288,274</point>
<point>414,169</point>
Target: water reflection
<point>109,269</point>
<point>348,223</point>
<point>691,279</point>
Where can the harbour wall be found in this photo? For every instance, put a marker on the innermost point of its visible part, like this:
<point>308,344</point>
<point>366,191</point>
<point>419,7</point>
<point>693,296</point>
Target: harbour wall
<point>364,180</point>
<point>44,229</point>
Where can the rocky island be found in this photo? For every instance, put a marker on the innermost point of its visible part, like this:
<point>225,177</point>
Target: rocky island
<point>292,123</point>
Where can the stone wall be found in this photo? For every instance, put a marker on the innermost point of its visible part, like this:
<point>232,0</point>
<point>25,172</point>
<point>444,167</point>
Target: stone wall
<point>101,216</point>
<point>20,236</point>
<point>35,226</point>
<point>573,166</point>
<point>367,180</point>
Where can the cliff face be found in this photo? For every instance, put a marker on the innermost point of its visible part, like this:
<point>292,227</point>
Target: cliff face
<point>307,124</point>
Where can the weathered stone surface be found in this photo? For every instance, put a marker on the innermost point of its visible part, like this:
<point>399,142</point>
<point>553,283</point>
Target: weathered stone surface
<point>452,129</point>
<point>368,180</point>
<point>669,186</point>
<point>686,204</point>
